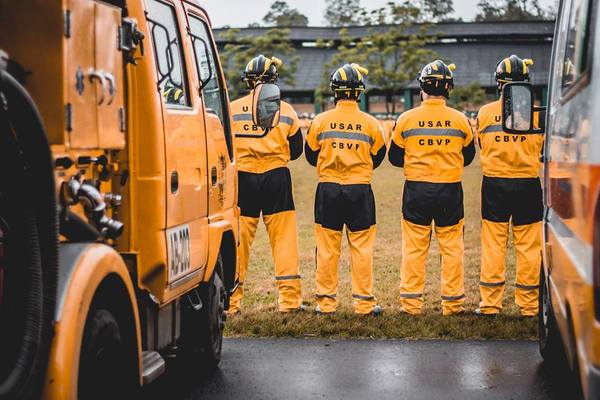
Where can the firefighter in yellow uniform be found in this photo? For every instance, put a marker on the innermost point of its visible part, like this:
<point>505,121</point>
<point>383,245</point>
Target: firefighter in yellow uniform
<point>265,186</point>
<point>510,192</point>
<point>433,143</point>
<point>345,144</point>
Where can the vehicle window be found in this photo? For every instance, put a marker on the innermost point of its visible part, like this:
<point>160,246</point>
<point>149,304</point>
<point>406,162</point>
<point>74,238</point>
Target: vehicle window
<point>576,53</point>
<point>170,66</point>
<point>213,91</point>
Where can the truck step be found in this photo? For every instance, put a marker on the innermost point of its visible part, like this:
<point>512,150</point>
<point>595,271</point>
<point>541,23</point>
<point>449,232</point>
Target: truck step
<point>153,366</point>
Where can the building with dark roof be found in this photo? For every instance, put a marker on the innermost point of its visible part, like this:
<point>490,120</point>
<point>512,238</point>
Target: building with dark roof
<point>475,48</point>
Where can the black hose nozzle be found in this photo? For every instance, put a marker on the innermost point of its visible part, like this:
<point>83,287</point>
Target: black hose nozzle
<point>94,207</point>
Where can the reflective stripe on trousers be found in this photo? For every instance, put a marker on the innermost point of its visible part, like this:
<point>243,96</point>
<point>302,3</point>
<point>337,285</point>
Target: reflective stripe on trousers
<point>528,248</point>
<point>415,246</point>
<point>282,231</point>
<point>329,244</point>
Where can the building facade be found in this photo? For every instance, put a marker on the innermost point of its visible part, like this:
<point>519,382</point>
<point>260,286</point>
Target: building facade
<point>475,48</point>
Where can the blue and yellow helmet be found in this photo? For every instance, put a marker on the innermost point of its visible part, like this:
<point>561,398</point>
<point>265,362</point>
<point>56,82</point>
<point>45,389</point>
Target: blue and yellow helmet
<point>512,69</point>
<point>261,69</point>
<point>348,81</point>
<point>437,79</point>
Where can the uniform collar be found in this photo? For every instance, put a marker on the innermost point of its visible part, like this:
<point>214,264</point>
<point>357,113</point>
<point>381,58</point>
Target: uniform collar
<point>434,102</point>
<point>347,103</point>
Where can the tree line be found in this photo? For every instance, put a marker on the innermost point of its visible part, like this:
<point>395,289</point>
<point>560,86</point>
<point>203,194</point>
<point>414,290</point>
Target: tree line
<point>393,55</point>
<point>340,13</point>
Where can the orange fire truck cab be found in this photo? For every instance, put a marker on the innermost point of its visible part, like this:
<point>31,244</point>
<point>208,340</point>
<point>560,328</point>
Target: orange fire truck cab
<point>118,195</point>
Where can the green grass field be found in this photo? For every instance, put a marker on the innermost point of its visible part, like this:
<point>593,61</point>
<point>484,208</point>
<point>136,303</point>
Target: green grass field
<point>260,318</point>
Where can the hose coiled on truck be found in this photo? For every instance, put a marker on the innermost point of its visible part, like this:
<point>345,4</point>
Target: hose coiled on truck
<point>40,224</point>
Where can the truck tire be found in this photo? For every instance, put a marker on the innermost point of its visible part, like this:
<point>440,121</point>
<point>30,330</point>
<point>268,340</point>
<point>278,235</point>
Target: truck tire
<point>212,317</point>
<point>550,341</point>
<point>103,362</point>
<point>28,208</point>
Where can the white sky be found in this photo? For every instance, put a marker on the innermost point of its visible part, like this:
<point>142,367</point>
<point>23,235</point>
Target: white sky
<point>240,13</point>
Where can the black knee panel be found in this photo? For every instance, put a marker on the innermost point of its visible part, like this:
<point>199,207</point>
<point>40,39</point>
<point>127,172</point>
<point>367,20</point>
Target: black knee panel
<point>269,192</point>
<point>338,205</point>
<point>424,202</point>
<point>516,198</point>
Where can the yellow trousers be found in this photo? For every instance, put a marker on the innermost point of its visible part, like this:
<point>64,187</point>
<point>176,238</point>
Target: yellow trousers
<point>528,247</point>
<point>415,246</point>
<point>283,236</point>
<point>329,243</point>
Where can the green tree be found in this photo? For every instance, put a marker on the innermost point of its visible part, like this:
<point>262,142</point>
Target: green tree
<point>241,49</point>
<point>511,10</point>
<point>344,13</point>
<point>281,15</point>
<point>437,10</point>
<point>426,11</point>
<point>393,55</point>
<point>468,97</point>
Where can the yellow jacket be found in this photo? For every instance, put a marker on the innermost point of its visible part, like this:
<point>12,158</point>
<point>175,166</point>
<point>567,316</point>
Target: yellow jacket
<point>345,144</point>
<point>261,154</point>
<point>434,141</point>
<point>502,154</point>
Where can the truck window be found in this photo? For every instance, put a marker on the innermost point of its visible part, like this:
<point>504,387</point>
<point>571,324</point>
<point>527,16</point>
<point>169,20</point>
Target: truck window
<point>576,52</point>
<point>166,41</point>
<point>213,92</point>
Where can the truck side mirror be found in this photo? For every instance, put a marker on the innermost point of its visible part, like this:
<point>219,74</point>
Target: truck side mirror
<point>266,106</point>
<point>517,108</point>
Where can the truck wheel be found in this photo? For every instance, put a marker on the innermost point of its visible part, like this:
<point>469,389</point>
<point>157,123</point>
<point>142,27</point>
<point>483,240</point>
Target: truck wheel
<point>212,317</point>
<point>550,341</point>
<point>103,362</point>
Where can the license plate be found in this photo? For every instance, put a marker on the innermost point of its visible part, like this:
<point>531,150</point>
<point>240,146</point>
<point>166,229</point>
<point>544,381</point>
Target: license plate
<point>179,258</point>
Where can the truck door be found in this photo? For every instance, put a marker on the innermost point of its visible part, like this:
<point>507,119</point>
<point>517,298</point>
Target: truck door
<point>222,193</point>
<point>185,147</point>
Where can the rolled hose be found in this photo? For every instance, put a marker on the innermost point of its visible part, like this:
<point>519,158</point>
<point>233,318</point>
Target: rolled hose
<point>41,224</point>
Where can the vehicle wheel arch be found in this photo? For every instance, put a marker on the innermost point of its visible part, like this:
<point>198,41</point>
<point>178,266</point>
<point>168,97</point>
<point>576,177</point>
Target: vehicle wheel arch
<point>89,273</point>
<point>571,342</point>
<point>113,295</point>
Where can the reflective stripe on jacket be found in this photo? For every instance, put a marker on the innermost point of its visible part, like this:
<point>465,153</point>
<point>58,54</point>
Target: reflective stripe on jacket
<point>433,137</point>
<point>505,155</point>
<point>346,140</point>
<point>260,154</point>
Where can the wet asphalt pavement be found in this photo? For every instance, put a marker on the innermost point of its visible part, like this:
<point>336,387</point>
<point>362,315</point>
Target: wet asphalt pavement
<point>370,370</point>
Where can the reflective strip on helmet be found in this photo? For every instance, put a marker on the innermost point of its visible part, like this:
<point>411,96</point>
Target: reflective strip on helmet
<point>507,65</point>
<point>343,74</point>
<point>433,132</point>
<point>345,135</point>
<point>329,296</point>
<point>242,117</point>
<point>526,287</point>
<point>453,298</point>
<point>358,73</point>
<point>411,295</point>
<point>287,277</point>
<point>491,284</point>
<point>361,297</point>
<point>492,128</point>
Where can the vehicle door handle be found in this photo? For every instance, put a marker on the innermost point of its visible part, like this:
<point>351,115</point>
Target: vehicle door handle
<point>98,76</point>
<point>112,87</point>
<point>213,176</point>
<point>174,182</point>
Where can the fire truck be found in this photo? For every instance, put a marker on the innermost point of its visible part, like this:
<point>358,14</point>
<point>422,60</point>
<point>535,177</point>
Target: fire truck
<point>118,195</point>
